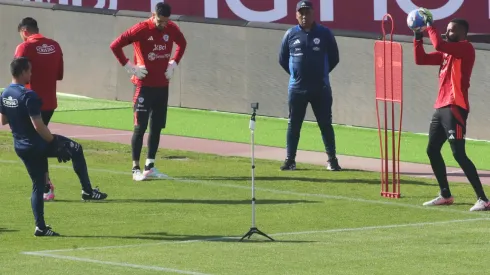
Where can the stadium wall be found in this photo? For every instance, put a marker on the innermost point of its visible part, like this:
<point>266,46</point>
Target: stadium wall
<point>229,64</point>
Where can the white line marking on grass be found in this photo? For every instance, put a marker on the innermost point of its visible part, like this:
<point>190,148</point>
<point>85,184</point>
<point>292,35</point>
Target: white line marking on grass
<point>145,267</point>
<point>72,95</point>
<point>335,230</point>
<point>448,173</point>
<point>421,224</point>
<point>108,135</point>
<point>276,191</point>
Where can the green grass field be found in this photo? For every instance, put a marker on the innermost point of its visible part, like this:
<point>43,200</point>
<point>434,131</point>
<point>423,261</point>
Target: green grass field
<point>270,131</point>
<point>323,222</point>
<point>351,141</point>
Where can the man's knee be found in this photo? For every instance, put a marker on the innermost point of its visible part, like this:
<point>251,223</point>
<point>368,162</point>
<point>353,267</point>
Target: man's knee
<point>458,150</point>
<point>432,150</point>
<point>157,124</point>
<point>139,130</point>
<point>325,119</point>
<point>76,147</point>
<point>294,124</point>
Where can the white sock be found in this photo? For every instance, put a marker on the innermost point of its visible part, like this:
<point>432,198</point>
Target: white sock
<point>148,161</point>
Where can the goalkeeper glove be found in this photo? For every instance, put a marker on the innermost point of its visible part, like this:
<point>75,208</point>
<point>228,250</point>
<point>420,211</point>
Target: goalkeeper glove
<point>172,65</point>
<point>139,71</point>
<point>61,150</point>
<point>428,19</point>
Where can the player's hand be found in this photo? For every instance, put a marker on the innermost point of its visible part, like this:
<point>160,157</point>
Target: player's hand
<point>428,19</point>
<point>172,65</point>
<point>139,71</point>
<point>62,151</point>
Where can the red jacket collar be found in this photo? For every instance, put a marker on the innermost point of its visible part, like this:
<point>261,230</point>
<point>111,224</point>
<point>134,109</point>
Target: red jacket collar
<point>35,36</point>
<point>151,24</point>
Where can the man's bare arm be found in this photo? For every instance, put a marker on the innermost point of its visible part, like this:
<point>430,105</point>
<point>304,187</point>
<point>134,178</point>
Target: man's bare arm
<point>5,119</point>
<point>41,128</point>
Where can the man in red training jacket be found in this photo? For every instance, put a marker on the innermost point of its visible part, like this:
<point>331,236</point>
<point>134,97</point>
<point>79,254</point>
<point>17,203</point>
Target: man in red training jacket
<point>456,58</point>
<point>151,71</point>
<point>46,59</point>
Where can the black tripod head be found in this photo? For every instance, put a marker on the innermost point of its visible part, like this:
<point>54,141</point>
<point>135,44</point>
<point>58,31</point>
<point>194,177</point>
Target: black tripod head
<point>255,107</point>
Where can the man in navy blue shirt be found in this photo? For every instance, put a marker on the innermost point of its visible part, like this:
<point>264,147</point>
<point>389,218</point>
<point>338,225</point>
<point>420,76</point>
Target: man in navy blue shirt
<point>34,143</point>
<point>308,54</point>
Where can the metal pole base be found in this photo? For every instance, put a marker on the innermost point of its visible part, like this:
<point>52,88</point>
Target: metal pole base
<point>255,230</point>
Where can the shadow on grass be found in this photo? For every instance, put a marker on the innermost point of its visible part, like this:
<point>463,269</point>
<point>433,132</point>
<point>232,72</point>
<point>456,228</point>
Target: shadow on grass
<point>308,179</point>
<point>164,236</point>
<point>6,230</point>
<point>196,201</point>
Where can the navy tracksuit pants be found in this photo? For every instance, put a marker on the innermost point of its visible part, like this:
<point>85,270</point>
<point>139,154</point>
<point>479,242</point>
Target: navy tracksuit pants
<point>321,104</point>
<point>36,162</point>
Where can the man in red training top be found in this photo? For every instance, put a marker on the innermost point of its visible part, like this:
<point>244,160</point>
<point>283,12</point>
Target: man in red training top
<point>456,58</point>
<point>153,67</point>
<point>46,59</point>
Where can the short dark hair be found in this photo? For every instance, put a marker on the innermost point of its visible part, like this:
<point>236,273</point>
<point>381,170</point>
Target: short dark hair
<point>18,66</point>
<point>463,23</point>
<point>163,9</point>
<point>30,24</point>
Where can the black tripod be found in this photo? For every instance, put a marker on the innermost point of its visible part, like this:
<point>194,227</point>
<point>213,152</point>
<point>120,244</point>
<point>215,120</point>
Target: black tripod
<point>253,229</point>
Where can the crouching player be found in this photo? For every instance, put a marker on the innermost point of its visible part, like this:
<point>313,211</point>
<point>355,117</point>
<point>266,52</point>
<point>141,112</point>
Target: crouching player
<point>34,143</point>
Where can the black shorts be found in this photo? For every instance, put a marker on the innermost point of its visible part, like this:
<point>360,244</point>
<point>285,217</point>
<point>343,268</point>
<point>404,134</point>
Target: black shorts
<point>150,103</point>
<point>449,123</point>
<point>46,115</point>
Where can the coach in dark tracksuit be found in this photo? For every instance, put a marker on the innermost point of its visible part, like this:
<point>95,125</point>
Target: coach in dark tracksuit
<point>309,53</point>
<point>20,108</point>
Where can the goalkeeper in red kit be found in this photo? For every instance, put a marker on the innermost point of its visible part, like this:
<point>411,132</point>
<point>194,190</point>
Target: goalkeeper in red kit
<point>456,57</point>
<point>151,71</point>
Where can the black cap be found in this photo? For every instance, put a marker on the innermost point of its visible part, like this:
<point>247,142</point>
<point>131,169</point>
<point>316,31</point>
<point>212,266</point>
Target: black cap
<point>304,4</point>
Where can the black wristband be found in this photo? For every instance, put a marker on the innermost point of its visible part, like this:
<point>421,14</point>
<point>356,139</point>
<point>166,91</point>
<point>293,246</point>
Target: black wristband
<point>418,35</point>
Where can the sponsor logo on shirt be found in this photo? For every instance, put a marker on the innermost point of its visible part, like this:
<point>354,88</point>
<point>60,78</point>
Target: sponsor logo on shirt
<point>45,49</point>
<point>157,47</point>
<point>153,56</point>
<point>10,102</point>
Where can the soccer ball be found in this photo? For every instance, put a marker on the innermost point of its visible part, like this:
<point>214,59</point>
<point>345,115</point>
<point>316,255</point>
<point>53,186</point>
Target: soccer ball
<point>415,21</point>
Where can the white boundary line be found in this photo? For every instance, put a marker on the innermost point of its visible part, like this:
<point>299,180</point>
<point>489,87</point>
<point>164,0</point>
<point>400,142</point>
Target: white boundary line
<point>145,267</point>
<point>128,134</point>
<point>104,135</point>
<point>72,95</point>
<point>336,230</point>
<point>276,191</point>
<point>49,253</point>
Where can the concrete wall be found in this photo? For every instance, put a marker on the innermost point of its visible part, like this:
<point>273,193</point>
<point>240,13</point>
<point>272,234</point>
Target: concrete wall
<point>229,64</point>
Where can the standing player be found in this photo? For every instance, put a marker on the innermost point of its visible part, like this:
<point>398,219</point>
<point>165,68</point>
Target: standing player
<point>308,54</point>
<point>153,67</point>
<point>46,58</point>
<point>34,143</point>
<point>456,58</point>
